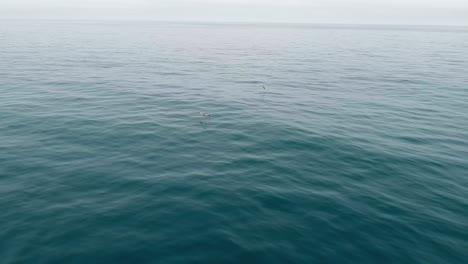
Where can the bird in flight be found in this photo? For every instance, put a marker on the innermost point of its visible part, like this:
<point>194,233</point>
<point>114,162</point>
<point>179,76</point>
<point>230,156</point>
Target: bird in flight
<point>205,114</point>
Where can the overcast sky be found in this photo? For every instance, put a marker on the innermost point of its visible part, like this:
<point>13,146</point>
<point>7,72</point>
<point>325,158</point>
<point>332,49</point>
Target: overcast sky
<point>419,12</point>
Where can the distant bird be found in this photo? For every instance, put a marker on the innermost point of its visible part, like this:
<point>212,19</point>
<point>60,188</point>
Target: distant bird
<point>205,114</point>
<point>263,87</point>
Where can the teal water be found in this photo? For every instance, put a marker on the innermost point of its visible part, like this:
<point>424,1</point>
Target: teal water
<point>356,151</point>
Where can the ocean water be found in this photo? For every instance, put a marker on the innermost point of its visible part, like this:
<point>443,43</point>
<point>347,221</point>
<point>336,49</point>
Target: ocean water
<point>356,151</point>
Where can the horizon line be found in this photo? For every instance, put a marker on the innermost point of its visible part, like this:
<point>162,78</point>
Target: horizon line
<point>292,23</point>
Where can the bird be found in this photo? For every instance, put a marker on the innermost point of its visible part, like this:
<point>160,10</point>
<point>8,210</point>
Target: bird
<point>263,87</point>
<point>205,114</point>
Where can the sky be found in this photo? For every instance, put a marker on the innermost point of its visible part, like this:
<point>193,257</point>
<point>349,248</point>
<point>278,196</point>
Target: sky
<point>408,12</point>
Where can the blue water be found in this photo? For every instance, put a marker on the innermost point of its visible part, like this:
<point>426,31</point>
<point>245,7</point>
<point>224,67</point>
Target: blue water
<point>356,151</point>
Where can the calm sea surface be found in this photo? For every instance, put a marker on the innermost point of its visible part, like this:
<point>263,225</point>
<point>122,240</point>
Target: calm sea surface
<point>356,151</point>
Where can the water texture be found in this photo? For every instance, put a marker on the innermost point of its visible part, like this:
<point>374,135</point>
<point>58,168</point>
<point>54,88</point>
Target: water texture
<point>356,151</point>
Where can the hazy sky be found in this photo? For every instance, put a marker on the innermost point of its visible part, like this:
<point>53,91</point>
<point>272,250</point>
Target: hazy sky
<point>434,12</point>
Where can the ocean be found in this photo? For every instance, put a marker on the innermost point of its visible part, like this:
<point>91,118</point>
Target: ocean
<point>151,142</point>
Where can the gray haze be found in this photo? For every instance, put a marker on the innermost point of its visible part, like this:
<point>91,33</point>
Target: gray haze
<point>411,12</point>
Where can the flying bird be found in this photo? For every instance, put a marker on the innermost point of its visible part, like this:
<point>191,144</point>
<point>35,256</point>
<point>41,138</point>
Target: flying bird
<point>205,114</point>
